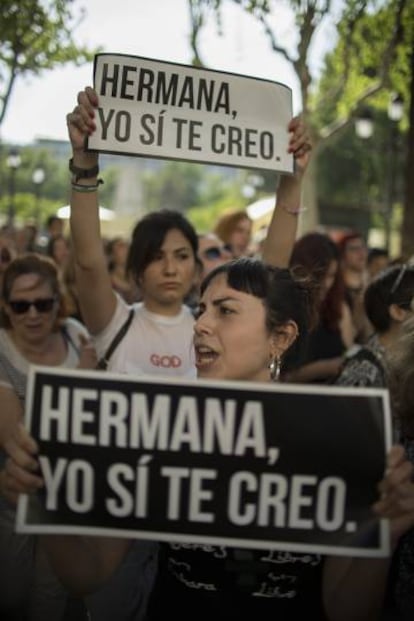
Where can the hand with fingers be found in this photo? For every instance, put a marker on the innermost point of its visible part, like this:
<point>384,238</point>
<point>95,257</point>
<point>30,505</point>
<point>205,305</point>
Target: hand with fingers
<point>397,493</point>
<point>20,475</point>
<point>88,358</point>
<point>299,144</point>
<point>81,124</point>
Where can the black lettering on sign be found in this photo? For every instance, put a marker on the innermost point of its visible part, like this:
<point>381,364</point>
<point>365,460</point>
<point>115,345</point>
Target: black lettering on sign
<point>172,89</point>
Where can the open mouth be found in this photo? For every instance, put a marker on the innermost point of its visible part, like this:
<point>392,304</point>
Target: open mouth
<point>205,356</point>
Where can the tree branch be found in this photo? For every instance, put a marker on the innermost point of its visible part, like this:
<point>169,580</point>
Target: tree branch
<point>4,98</point>
<point>353,19</point>
<point>397,37</point>
<point>272,38</point>
<point>197,22</point>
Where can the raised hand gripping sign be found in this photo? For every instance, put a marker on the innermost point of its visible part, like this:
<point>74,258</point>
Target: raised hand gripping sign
<point>164,110</point>
<point>242,464</point>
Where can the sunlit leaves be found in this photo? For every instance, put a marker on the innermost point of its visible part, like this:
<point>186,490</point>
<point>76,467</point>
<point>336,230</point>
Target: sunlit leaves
<point>36,35</point>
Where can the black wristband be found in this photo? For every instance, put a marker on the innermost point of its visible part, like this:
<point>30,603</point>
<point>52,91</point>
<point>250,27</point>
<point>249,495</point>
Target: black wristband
<point>82,173</point>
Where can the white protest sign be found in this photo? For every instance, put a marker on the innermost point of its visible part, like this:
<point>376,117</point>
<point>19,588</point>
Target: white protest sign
<point>164,110</point>
<point>233,463</point>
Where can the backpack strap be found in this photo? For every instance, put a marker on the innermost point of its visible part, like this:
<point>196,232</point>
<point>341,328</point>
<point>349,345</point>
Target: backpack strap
<point>69,340</point>
<point>103,362</point>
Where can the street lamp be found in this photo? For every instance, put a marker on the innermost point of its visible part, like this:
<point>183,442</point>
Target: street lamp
<point>364,128</point>
<point>395,114</point>
<point>364,124</point>
<point>13,162</point>
<point>396,107</point>
<point>38,178</point>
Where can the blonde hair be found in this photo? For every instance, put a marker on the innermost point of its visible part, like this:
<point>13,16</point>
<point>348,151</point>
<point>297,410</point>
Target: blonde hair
<point>228,222</point>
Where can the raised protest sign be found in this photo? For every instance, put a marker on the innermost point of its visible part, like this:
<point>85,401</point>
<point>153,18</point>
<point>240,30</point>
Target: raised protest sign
<point>164,110</point>
<point>235,463</point>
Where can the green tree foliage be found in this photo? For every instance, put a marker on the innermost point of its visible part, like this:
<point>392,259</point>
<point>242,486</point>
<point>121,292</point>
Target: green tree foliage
<point>28,209</point>
<point>204,218</point>
<point>173,186</point>
<point>37,202</point>
<point>307,16</point>
<point>370,59</point>
<point>200,191</point>
<point>36,35</point>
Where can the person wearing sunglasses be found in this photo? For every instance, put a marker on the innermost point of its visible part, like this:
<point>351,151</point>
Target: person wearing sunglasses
<point>35,331</point>
<point>212,252</point>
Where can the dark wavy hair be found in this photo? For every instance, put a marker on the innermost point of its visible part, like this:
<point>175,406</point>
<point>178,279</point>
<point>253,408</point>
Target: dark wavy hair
<point>148,237</point>
<point>311,257</point>
<point>394,285</point>
<point>284,297</point>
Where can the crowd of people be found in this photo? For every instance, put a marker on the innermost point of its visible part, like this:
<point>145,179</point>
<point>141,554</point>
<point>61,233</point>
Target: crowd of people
<point>174,302</point>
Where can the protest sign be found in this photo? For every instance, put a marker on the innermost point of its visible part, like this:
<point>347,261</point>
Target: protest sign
<point>232,463</point>
<point>164,110</point>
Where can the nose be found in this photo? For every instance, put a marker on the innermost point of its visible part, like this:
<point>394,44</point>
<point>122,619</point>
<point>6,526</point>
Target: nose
<point>32,310</point>
<point>204,324</point>
<point>170,265</point>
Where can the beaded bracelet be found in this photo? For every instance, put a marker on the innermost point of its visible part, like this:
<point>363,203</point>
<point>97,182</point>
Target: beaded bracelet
<point>82,173</point>
<point>294,211</point>
<point>77,187</point>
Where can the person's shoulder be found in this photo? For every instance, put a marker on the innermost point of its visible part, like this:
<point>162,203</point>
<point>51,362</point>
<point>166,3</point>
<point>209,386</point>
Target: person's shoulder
<point>187,312</point>
<point>74,326</point>
<point>363,368</point>
<point>5,339</point>
<point>137,307</point>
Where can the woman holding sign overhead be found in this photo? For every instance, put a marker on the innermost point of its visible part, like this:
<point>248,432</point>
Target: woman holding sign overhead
<point>251,318</point>
<point>157,333</point>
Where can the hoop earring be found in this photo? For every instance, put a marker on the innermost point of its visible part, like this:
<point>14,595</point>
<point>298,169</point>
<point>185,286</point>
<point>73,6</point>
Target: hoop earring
<point>275,368</point>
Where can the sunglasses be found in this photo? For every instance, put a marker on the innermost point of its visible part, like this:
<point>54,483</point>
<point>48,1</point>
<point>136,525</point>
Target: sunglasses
<point>215,252</point>
<point>42,305</point>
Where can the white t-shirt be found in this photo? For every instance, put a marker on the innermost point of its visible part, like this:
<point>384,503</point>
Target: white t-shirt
<point>153,345</point>
<point>14,367</point>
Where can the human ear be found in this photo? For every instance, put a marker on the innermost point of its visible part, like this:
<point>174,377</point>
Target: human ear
<point>397,313</point>
<point>283,337</point>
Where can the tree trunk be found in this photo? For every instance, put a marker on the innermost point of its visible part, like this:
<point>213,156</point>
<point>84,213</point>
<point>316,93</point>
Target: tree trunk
<point>309,220</point>
<point>407,239</point>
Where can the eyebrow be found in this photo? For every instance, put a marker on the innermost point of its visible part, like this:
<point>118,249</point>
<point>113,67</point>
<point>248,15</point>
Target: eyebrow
<point>180,249</point>
<point>219,301</point>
